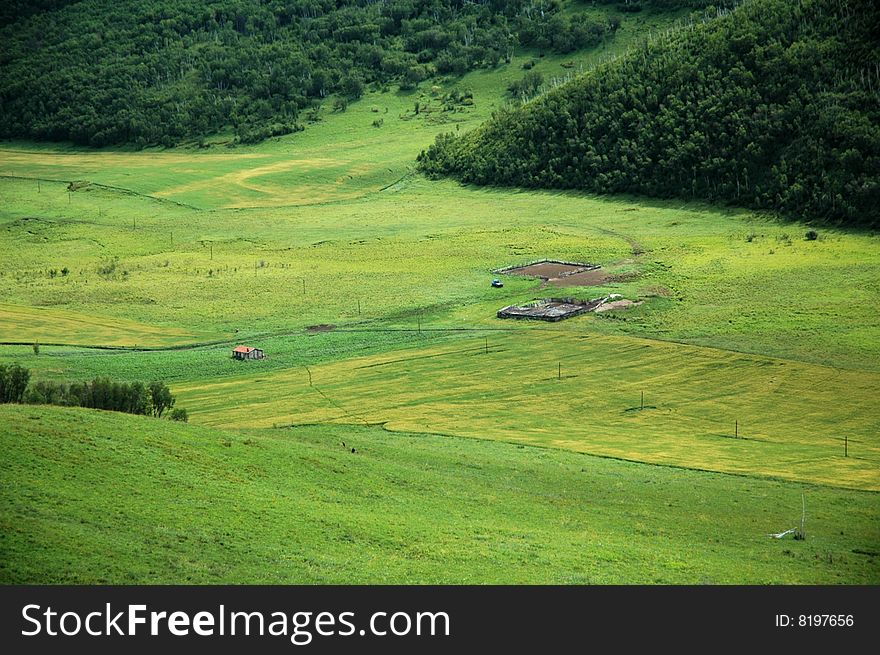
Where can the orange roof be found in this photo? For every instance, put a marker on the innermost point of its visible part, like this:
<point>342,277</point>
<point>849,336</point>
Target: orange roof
<point>242,349</point>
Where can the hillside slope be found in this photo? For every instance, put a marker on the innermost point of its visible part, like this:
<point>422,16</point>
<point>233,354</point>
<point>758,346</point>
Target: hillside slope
<point>775,105</point>
<point>98,73</point>
<point>98,497</point>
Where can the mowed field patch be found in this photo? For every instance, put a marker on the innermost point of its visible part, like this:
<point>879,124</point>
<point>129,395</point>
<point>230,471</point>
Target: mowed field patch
<point>704,408</point>
<point>45,325</point>
<point>278,184</point>
<point>79,162</point>
<point>341,158</point>
<point>212,179</point>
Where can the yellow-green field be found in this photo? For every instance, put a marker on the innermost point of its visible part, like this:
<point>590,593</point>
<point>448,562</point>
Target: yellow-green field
<point>49,325</point>
<point>583,393</point>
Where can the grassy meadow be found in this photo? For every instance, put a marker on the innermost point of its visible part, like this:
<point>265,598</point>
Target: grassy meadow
<point>488,450</point>
<point>124,499</point>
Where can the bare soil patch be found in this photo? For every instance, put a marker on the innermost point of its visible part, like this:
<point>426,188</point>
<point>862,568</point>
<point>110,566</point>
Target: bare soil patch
<point>616,304</point>
<point>323,327</point>
<point>547,270</point>
<point>560,273</point>
<point>591,278</point>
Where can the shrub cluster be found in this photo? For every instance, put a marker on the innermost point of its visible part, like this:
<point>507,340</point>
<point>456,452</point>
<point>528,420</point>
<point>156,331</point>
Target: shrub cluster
<point>154,399</point>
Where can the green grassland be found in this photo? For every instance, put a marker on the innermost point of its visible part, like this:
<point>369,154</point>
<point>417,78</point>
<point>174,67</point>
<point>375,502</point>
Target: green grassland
<point>173,256</point>
<point>110,498</point>
<point>716,278</point>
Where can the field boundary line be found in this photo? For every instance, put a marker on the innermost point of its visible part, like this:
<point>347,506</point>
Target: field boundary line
<point>751,476</point>
<point>109,187</point>
<point>331,401</point>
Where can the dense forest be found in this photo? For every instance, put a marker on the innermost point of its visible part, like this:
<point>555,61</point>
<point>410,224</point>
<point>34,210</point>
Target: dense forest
<point>773,105</point>
<point>162,71</point>
<point>13,10</point>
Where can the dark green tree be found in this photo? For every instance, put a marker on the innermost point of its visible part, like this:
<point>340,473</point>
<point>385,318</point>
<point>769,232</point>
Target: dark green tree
<point>13,382</point>
<point>160,398</point>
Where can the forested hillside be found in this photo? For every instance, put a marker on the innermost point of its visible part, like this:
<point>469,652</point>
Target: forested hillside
<point>13,10</point>
<point>774,105</point>
<point>160,71</point>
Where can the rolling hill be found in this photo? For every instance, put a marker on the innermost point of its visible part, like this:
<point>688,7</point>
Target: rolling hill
<point>773,105</point>
<point>105,498</point>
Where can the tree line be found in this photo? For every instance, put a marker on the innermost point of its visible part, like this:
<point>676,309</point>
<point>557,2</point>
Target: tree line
<point>773,105</point>
<point>153,399</point>
<point>150,72</point>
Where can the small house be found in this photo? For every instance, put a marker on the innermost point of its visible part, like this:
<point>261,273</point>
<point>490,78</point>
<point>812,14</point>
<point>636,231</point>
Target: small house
<point>246,352</point>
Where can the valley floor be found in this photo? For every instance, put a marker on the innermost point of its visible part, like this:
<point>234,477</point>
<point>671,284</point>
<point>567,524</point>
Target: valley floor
<point>661,443</point>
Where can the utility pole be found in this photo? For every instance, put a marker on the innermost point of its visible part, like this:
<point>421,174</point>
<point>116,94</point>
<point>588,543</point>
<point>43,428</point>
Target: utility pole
<point>736,429</point>
<point>845,445</point>
<point>559,372</point>
<point>803,532</point>
<point>643,401</point>
<point>211,246</point>
<point>487,345</point>
<point>359,306</point>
